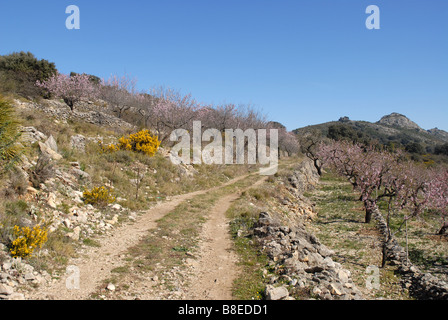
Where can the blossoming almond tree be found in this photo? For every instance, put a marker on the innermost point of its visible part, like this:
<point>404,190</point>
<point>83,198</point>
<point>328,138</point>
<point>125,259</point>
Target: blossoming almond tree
<point>313,147</point>
<point>408,186</point>
<point>367,169</point>
<point>342,156</point>
<point>121,93</point>
<point>172,111</point>
<point>71,89</point>
<point>438,195</point>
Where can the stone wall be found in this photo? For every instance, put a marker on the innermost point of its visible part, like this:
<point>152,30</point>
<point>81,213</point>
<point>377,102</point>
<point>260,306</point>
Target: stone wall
<point>298,256</point>
<point>302,266</point>
<point>301,263</point>
<point>421,285</point>
<point>84,111</point>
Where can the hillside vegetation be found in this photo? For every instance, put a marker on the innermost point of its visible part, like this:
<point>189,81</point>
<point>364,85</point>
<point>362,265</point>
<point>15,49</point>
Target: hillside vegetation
<point>393,132</point>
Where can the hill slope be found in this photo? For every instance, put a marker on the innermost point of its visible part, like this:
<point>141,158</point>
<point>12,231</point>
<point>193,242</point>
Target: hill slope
<point>394,129</point>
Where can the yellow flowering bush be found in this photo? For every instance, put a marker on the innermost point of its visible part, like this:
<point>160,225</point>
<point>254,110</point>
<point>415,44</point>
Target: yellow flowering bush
<point>98,196</point>
<point>108,148</point>
<point>142,141</point>
<point>27,240</point>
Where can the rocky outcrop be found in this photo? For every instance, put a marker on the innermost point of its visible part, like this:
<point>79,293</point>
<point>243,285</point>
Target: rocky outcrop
<point>439,134</point>
<point>304,178</point>
<point>16,274</point>
<point>84,111</point>
<point>398,120</point>
<point>31,135</point>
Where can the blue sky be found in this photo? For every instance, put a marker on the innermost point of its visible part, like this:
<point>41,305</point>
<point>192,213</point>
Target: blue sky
<point>300,62</point>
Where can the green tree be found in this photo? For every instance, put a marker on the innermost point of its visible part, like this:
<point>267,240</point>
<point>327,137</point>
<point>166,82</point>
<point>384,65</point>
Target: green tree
<point>441,149</point>
<point>19,72</point>
<point>415,147</point>
<point>341,132</point>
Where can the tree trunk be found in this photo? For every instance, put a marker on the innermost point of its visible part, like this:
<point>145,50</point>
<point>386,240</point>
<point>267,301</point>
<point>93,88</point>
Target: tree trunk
<point>368,217</point>
<point>407,244</point>
<point>383,262</point>
<point>318,167</point>
<point>70,103</point>
<point>370,206</point>
<point>443,229</point>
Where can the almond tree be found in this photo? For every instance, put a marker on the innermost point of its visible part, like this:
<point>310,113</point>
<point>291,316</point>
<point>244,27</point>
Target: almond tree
<point>312,146</point>
<point>247,117</point>
<point>145,107</point>
<point>72,89</point>
<point>414,195</point>
<point>222,117</point>
<point>121,93</point>
<point>364,167</point>
<point>344,157</point>
<point>378,178</point>
<point>231,116</point>
<point>408,185</point>
<point>438,194</point>
<point>287,141</point>
<point>172,110</point>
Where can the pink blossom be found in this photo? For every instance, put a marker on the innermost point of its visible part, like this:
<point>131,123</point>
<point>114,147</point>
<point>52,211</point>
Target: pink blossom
<point>71,89</point>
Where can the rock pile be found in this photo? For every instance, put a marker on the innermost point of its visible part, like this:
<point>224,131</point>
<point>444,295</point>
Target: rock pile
<point>31,135</point>
<point>15,275</point>
<point>300,260</point>
<point>302,266</point>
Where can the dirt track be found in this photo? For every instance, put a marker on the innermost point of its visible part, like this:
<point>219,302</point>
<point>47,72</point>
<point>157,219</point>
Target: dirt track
<point>214,271</point>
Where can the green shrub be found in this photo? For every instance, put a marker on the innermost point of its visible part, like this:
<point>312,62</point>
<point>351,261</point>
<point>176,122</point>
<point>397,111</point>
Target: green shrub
<point>9,135</point>
<point>11,214</point>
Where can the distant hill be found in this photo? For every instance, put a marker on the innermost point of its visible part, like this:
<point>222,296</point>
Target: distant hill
<point>393,129</point>
<point>276,125</point>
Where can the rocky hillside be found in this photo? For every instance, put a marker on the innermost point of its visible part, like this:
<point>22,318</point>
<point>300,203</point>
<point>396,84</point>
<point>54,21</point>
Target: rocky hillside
<point>393,129</point>
<point>440,134</point>
<point>61,160</point>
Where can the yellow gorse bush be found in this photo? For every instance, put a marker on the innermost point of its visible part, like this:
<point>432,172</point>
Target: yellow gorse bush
<point>142,141</point>
<point>109,148</point>
<point>27,240</point>
<point>98,196</point>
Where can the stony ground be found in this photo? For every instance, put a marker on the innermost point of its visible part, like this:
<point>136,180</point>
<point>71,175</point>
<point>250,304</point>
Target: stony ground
<point>115,255</point>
